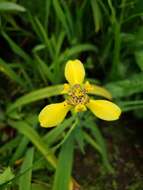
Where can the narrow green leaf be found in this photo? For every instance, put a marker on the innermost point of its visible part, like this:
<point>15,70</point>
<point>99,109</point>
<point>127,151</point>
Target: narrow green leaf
<point>53,135</point>
<point>35,96</point>
<point>91,141</point>
<point>59,42</point>
<point>67,135</point>
<point>25,179</point>
<point>10,145</point>
<point>6,176</point>
<point>20,149</point>
<point>7,70</point>
<point>100,145</point>
<point>43,36</point>
<point>96,14</point>
<point>44,68</point>
<point>40,186</point>
<point>33,136</point>
<point>68,16</point>
<point>47,12</point>
<point>6,6</point>
<point>80,138</point>
<point>64,167</point>
<point>127,87</point>
<point>139,59</point>
<point>131,105</point>
<point>76,50</point>
<point>61,16</point>
<point>16,48</point>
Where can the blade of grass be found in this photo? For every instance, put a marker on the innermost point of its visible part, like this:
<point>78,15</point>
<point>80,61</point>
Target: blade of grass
<point>68,53</point>
<point>96,14</point>
<point>127,87</point>
<point>44,68</point>
<point>131,105</point>
<point>62,17</point>
<point>54,134</point>
<point>64,167</point>
<point>41,33</point>
<point>68,17</point>
<point>20,150</point>
<point>47,13</point>
<point>7,70</point>
<point>117,25</point>
<point>6,176</point>
<point>131,108</point>
<point>35,96</point>
<point>17,49</point>
<point>34,137</point>
<point>10,145</point>
<point>59,43</point>
<point>101,147</point>
<point>92,142</point>
<point>25,179</point>
<point>66,135</point>
<point>6,6</point>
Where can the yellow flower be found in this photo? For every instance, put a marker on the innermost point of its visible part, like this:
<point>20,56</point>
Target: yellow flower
<point>78,99</point>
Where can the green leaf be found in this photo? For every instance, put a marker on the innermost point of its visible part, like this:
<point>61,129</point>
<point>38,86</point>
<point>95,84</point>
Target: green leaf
<point>139,59</point>
<point>47,12</point>
<point>96,14</point>
<point>6,176</point>
<point>34,137</point>
<point>42,34</point>
<point>43,67</point>
<point>69,16</point>
<point>21,148</point>
<point>92,142</point>
<point>59,42</point>
<point>10,145</point>
<point>131,105</point>
<point>127,87</point>
<point>98,143</point>
<point>53,135</point>
<point>36,186</point>
<point>35,96</point>
<point>16,48</point>
<point>7,70</point>
<point>61,16</point>
<point>80,138</point>
<point>6,6</point>
<point>25,179</point>
<point>64,167</point>
<point>76,50</point>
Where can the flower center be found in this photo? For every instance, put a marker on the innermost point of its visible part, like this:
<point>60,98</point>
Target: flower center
<point>77,95</point>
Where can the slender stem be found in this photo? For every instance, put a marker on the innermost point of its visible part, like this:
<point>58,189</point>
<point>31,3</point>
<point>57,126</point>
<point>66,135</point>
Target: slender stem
<point>67,134</point>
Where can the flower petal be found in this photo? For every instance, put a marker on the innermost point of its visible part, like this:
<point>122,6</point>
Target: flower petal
<point>80,108</point>
<point>53,114</point>
<point>97,90</point>
<point>104,109</point>
<point>65,89</point>
<point>74,72</point>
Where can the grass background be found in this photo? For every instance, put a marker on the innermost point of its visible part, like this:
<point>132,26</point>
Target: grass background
<point>37,37</point>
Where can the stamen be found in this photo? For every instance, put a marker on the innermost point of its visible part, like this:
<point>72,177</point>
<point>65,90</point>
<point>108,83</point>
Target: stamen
<point>77,96</point>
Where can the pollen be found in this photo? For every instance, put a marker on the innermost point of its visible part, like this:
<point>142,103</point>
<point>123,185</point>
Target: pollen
<point>77,96</point>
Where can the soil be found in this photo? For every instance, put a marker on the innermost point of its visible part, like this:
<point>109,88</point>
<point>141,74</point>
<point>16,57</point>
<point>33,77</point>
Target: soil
<point>125,148</point>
